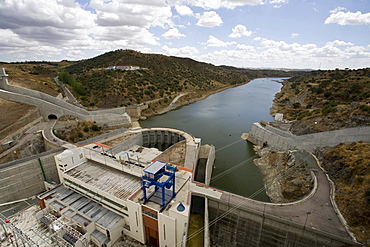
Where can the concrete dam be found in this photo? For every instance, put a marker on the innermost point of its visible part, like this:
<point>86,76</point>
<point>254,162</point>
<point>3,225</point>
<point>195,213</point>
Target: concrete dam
<point>229,219</point>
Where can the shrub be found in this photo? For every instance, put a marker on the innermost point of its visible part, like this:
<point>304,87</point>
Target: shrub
<point>95,127</point>
<point>327,109</point>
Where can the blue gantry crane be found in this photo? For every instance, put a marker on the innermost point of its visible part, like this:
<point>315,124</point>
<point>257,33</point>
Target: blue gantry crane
<point>161,175</point>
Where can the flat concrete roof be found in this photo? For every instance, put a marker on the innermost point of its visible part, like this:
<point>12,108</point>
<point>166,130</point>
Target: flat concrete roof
<point>142,154</point>
<point>83,208</point>
<point>112,181</point>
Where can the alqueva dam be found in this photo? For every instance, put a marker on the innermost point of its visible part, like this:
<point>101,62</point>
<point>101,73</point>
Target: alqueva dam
<point>80,186</point>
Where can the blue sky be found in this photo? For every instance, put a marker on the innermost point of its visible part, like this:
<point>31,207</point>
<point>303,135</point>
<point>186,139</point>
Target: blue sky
<point>293,34</point>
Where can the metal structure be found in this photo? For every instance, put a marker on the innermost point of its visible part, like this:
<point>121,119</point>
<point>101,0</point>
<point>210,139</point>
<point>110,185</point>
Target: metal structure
<point>161,175</point>
<point>16,236</point>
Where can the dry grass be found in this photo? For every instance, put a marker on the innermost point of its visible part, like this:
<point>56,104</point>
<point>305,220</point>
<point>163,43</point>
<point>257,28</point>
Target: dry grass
<point>33,76</point>
<point>352,171</point>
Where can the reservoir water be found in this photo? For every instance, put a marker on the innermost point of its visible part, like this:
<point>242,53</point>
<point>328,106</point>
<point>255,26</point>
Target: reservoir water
<point>220,120</point>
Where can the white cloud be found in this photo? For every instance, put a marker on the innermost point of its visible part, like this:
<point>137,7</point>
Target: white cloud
<point>10,40</point>
<point>348,18</point>
<point>239,31</point>
<point>338,43</point>
<point>46,21</point>
<point>209,19</point>
<point>327,51</point>
<point>132,13</point>
<point>186,51</point>
<point>184,10</point>
<point>75,55</point>
<point>280,54</point>
<point>245,48</point>
<point>134,36</point>
<point>294,35</point>
<point>66,14</point>
<point>338,9</point>
<point>173,33</point>
<point>277,3</point>
<point>215,42</point>
<point>217,4</point>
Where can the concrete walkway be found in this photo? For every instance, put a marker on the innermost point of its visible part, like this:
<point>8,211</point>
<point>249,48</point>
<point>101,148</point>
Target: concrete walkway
<point>173,104</point>
<point>315,212</point>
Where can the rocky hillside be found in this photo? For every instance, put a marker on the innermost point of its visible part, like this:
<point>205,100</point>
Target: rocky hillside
<point>326,100</point>
<point>287,177</point>
<point>348,165</point>
<point>154,76</point>
<point>34,75</point>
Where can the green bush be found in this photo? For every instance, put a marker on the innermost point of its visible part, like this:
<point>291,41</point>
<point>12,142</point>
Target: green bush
<point>95,127</point>
<point>327,109</point>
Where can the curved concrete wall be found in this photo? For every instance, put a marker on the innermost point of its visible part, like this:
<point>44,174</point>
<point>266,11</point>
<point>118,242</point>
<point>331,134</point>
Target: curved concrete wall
<point>164,136</point>
<point>282,140</point>
<point>49,105</point>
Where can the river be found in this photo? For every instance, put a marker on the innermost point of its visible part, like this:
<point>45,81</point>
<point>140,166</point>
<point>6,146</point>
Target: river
<point>220,120</point>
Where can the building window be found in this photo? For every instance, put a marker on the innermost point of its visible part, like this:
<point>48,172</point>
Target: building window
<point>150,214</point>
<point>137,223</point>
<point>127,227</point>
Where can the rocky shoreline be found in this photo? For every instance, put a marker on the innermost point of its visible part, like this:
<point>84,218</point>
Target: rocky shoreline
<point>286,178</point>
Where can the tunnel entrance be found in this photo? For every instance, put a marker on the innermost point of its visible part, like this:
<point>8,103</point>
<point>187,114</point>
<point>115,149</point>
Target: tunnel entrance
<point>52,116</point>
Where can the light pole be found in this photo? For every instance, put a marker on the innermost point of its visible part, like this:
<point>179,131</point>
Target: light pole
<point>308,213</point>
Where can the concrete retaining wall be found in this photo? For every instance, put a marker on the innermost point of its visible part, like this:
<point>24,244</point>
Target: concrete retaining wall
<point>15,130</point>
<point>49,105</point>
<point>135,111</point>
<point>23,178</point>
<point>207,152</point>
<point>282,140</point>
<point>136,140</point>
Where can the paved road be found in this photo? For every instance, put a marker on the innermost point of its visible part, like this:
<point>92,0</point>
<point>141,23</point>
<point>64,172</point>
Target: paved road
<point>300,100</point>
<point>49,135</point>
<point>68,93</point>
<point>20,142</point>
<point>172,105</point>
<point>24,139</point>
<point>316,212</point>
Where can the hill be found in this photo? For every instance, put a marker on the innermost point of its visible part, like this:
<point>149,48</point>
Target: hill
<point>326,100</point>
<point>155,76</point>
<point>348,167</point>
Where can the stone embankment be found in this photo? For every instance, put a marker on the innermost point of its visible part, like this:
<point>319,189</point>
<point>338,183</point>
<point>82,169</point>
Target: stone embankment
<point>277,139</point>
<point>286,176</point>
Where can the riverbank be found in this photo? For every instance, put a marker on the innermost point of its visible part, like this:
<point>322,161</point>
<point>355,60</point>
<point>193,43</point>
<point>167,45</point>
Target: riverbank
<point>286,177</point>
<point>185,99</point>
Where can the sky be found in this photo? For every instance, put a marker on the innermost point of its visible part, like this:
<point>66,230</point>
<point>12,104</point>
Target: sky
<point>293,34</point>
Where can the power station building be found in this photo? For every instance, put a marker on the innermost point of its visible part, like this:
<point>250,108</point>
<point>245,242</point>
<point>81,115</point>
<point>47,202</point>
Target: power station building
<point>104,194</point>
